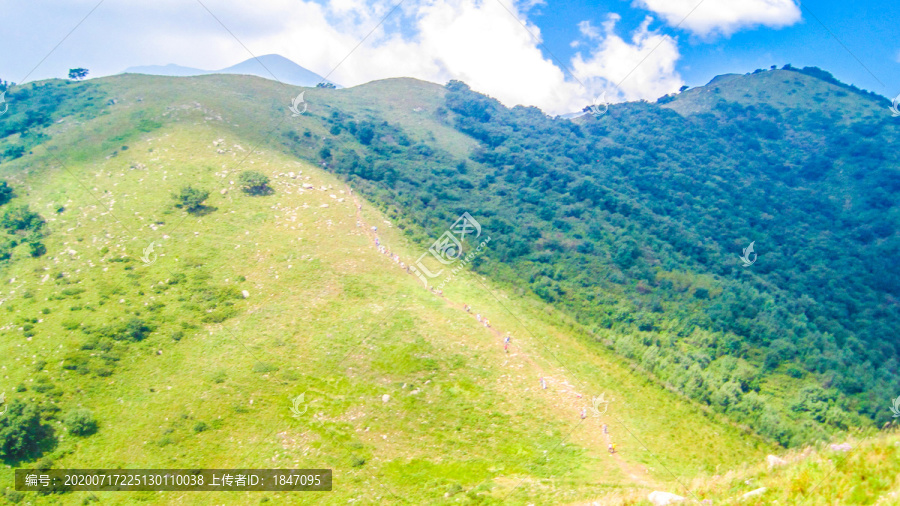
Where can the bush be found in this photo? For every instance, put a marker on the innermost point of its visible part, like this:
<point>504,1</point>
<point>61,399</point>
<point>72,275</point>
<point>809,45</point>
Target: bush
<point>6,193</point>
<point>36,249</point>
<point>254,183</point>
<point>191,199</point>
<point>21,218</point>
<point>21,431</point>
<point>135,330</point>
<point>80,422</point>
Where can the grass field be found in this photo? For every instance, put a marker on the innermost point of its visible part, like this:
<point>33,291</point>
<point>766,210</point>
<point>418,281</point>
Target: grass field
<point>327,316</point>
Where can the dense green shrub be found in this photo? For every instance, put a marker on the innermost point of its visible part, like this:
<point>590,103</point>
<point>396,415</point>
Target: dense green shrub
<point>191,199</point>
<point>80,422</point>
<point>21,431</point>
<point>254,183</point>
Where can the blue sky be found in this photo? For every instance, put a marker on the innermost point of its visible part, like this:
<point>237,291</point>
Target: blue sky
<point>870,31</point>
<point>481,42</point>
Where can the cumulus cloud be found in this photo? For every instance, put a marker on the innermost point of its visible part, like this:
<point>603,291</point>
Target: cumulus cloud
<point>477,41</point>
<point>641,69</point>
<point>723,17</point>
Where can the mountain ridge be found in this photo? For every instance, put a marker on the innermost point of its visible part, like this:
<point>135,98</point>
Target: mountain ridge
<point>270,66</point>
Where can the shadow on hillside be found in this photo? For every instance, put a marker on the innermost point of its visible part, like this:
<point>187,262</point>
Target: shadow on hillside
<point>203,210</point>
<point>259,192</point>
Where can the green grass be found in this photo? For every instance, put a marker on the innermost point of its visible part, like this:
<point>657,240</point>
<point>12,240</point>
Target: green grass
<point>210,384</point>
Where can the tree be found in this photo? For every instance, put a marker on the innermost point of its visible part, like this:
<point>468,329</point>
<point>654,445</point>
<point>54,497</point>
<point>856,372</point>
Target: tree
<point>80,422</point>
<point>6,193</point>
<point>21,430</point>
<point>78,74</point>
<point>36,248</point>
<point>254,183</point>
<point>21,218</point>
<point>191,199</point>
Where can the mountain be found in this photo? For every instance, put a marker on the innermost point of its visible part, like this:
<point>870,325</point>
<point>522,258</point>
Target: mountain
<point>166,70</point>
<point>613,261</point>
<point>270,66</point>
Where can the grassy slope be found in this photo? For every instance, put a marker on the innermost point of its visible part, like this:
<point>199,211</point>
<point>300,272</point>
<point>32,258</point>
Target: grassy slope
<point>781,89</point>
<point>339,321</point>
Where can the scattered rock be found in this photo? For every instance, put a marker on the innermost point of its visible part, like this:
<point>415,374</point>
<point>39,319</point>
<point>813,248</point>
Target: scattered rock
<point>245,293</point>
<point>385,398</point>
<point>754,493</point>
<point>663,498</point>
<point>773,461</point>
<point>223,191</point>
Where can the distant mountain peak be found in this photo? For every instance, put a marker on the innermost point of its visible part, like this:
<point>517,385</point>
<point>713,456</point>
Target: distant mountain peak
<point>269,66</point>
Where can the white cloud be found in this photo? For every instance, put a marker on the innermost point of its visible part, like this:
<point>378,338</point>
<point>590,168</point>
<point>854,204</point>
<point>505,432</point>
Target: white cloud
<point>723,16</point>
<point>476,41</point>
<point>642,69</point>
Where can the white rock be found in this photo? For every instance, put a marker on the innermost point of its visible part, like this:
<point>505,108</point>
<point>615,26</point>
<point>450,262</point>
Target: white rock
<point>663,498</point>
<point>385,398</point>
<point>773,461</point>
<point>245,293</point>
<point>754,493</point>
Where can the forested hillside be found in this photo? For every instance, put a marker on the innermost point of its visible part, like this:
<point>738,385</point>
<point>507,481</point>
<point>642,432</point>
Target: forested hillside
<point>634,222</point>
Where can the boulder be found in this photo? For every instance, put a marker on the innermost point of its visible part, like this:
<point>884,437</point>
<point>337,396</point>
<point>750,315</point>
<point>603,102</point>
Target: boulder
<point>774,461</point>
<point>754,493</point>
<point>663,498</point>
<point>385,398</point>
<point>245,293</point>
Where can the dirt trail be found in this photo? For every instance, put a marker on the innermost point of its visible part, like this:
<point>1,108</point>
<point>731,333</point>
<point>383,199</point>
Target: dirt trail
<point>565,397</point>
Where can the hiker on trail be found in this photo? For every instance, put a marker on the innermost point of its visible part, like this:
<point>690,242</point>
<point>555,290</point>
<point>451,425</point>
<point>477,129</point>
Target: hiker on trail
<point>374,229</point>
<point>611,448</point>
<point>543,383</point>
<point>487,323</point>
<point>478,317</point>
<point>506,343</point>
<point>583,413</point>
<point>357,223</point>
<point>605,429</point>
